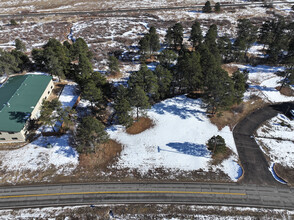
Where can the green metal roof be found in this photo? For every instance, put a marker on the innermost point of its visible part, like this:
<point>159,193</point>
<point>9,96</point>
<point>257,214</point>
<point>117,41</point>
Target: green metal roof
<point>18,98</point>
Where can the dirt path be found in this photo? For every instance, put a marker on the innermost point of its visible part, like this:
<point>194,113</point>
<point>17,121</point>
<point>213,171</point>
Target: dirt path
<point>256,168</point>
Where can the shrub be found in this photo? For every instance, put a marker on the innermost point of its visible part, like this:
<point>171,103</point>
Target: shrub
<point>13,22</point>
<point>217,145</point>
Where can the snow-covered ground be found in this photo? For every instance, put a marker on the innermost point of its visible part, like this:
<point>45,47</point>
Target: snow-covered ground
<point>263,81</point>
<point>177,141</point>
<point>276,138</point>
<point>69,95</point>
<point>67,98</point>
<point>39,156</point>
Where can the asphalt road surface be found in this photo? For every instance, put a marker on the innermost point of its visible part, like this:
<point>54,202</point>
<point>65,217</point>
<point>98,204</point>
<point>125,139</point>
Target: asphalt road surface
<point>122,193</point>
<point>256,168</point>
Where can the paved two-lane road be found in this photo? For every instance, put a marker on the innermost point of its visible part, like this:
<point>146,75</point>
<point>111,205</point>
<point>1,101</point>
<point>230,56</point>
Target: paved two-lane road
<point>181,193</point>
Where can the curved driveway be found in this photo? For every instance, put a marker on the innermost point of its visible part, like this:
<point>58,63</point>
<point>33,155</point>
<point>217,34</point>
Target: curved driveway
<point>256,168</point>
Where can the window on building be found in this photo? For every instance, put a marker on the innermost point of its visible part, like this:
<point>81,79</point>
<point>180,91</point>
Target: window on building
<point>0,133</point>
<point>51,87</point>
<point>45,97</point>
<point>48,92</point>
<point>10,132</point>
<point>2,139</point>
<point>14,138</point>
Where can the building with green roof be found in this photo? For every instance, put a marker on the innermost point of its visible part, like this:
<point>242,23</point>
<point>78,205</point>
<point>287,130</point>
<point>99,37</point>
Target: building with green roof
<point>20,100</point>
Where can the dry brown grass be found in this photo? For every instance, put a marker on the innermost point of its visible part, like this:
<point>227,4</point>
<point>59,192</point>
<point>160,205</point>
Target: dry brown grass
<point>139,126</point>
<point>218,158</point>
<point>58,87</point>
<point>115,76</point>
<point>287,91</point>
<point>229,68</point>
<point>285,173</point>
<point>105,153</point>
<point>237,113</point>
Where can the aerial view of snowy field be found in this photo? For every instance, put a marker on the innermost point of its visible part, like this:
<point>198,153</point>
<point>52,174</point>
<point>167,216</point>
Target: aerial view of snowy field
<point>137,94</point>
<point>177,141</point>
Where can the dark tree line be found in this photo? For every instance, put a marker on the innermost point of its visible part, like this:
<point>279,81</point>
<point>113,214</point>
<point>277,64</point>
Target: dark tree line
<point>181,71</point>
<point>15,61</point>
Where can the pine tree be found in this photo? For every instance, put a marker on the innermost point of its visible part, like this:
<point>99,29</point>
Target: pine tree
<point>239,85</point>
<point>139,99</point>
<point>219,94</point>
<point>208,63</point>
<point>22,60</point>
<point>196,34</point>
<point>167,58</point>
<point>217,7</point>
<point>150,42</point>
<point>169,37</point>
<point>90,133</point>
<point>225,49</point>
<point>113,65</point>
<point>207,7</point>
<point>190,71</point>
<point>19,45</point>
<point>246,35</point>
<point>92,93</point>
<point>265,33</point>
<point>13,22</point>
<point>178,35</point>
<point>144,44</point>
<point>83,70</point>
<point>164,78</point>
<point>122,106</point>
<point>154,40</point>
<point>145,79</point>
<point>217,145</point>
<point>50,113</point>
<point>279,41</point>
<point>37,55</point>
<point>210,41</point>
<point>8,63</point>
<point>80,47</point>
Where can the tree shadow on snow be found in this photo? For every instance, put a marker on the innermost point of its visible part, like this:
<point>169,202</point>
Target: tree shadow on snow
<point>183,108</point>
<point>66,151</point>
<point>263,88</point>
<point>198,150</point>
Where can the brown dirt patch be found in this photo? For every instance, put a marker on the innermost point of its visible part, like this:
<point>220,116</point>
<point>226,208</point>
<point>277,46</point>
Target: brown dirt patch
<point>287,91</point>
<point>141,125</point>
<point>285,173</point>
<point>237,113</point>
<point>218,158</point>
<point>58,87</point>
<point>115,76</point>
<point>105,153</point>
<point>229,68</point>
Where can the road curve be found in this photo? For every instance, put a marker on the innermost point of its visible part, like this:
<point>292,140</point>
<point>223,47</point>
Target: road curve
<point>123,193</point>
<point>256,168</point>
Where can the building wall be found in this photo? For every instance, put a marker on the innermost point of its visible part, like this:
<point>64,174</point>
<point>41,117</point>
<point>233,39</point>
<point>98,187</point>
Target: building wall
<point>7,137</point>
<point>45,95</point>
